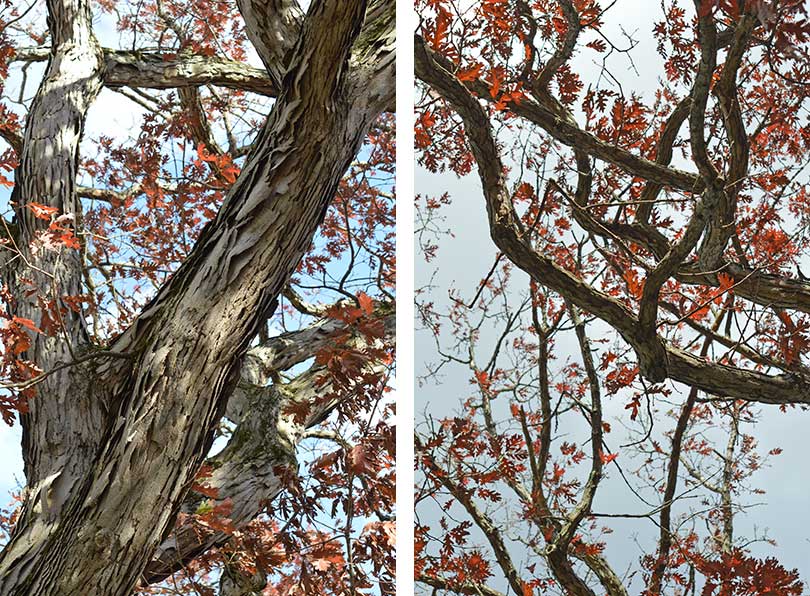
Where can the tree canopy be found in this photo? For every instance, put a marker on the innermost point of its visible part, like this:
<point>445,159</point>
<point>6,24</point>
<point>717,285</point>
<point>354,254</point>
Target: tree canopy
<point>197,325</point>
<point>646,307</point>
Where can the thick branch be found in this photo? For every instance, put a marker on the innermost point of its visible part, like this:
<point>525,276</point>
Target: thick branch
<point>250,471</point>
<point>565,131</point>
<point>657,360</point>
<point>285,351</point>
<point>153,70</point>
<point>273,27</point>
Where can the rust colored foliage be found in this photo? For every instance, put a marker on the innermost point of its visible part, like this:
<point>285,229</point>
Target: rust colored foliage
<point>325,353</point>
<point>644,316</point>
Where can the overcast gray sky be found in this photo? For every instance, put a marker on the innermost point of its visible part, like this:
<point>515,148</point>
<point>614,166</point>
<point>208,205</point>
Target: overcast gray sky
<point>465,257</point>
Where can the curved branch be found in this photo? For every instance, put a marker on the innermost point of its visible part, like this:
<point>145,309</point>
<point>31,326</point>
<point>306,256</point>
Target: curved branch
<point>563,130</point>
<point>481,519</point>
<point>657,360</point>
<point>563,53</point>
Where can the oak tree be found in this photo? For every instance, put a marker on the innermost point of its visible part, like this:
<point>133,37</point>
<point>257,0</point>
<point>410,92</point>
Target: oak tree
<point>197,312</point>
<point>646,307</point>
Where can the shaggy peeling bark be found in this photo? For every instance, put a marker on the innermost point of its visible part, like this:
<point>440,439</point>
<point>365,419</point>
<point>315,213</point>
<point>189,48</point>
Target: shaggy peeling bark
<point>151,70</point>
<point>250,470</point>
<point>112,447</point>
<point>60,433</point>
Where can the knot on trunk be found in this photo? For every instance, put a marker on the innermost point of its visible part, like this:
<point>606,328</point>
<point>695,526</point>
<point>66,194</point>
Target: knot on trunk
<point>103,539</point>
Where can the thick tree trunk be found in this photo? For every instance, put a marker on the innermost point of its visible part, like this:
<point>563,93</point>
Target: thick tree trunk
<point>109,469</point>
<point>47,175</point>
<point>62,429</point>
<point>249,472</point>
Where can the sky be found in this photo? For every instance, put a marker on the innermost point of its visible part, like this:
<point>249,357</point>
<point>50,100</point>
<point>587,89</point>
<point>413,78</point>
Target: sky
<point>110,112</point>
<point>113,115</point>
<point>464,258</point>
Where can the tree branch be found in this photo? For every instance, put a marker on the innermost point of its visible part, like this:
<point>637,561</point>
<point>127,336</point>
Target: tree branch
<point>657,360</point>
<point>250,471</point>
<point>565,131</point>
<point>481,519</point>
<point>153,70</point>
<point>466,588</point>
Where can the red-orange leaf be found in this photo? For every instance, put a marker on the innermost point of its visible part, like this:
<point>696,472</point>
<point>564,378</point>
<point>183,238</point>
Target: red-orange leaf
<point>42,211</point>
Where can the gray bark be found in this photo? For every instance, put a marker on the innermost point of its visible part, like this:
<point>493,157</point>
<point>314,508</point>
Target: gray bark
<point>657,360</point>
<point>47,175</point>
<point>152,70</point>
<point>250,469</point>
<point>112,448</point>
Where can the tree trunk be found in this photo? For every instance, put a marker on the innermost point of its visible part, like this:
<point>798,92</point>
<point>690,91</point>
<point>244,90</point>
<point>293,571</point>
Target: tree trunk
<point>112,447</point>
